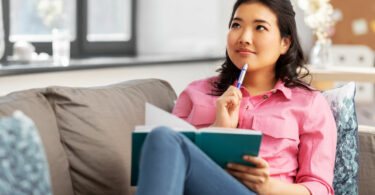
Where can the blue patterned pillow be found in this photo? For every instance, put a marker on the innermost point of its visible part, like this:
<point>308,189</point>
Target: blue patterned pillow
<point>23,165</point>
<point>342,104</point>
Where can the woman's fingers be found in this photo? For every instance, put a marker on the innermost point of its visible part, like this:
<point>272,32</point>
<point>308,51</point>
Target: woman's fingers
<point>247,177</point>
<point>232,96</point>
<point>261,166</point>
<point>243,168</point>
<point>229,102</point>
<point>232,102</point>
<point>234,91</point>
<point>258,162</point>
<point>256,178</point>
<point>227,108</point>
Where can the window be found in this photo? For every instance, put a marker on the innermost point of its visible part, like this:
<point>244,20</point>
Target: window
<point>38,17</point>
<point>114,24</point>
<point>111,30</point>
<point>96,27</point>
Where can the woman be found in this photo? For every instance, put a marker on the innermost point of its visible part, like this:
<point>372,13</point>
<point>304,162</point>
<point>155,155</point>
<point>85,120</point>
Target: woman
<point>299,133</point>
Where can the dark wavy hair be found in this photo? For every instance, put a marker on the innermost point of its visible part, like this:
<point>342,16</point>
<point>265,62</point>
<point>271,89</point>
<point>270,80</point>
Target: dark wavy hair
<point>288,67</point>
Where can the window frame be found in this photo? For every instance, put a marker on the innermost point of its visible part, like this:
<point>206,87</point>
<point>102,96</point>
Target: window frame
<point>80,47</point>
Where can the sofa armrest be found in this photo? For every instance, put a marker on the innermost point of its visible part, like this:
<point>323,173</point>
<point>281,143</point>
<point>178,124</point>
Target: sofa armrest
<point>366,129</point>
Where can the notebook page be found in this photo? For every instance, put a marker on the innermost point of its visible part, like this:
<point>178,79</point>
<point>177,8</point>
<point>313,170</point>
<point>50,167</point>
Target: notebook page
<point>158,117</point>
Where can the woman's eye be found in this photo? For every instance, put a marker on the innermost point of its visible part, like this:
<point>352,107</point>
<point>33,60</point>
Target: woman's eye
<point>260,27</point>
<point>235,25</point>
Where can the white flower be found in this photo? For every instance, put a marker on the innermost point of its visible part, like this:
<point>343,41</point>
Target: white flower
<point>303,4</point>
<point>50,11</point>
<point>318,16</point>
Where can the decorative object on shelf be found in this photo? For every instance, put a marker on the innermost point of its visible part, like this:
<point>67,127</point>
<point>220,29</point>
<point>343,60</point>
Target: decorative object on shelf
<point>54,16</point>
<point>23,51</point>
<point>51,13</point>
<point>319,16</point>
<point>320,55</point>
<point>61,47</point>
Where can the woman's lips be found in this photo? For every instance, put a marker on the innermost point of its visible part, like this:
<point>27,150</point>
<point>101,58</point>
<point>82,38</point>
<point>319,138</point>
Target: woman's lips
<point>245,52</point>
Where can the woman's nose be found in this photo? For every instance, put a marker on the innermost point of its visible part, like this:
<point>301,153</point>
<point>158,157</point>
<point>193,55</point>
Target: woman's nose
<point>246,37</point>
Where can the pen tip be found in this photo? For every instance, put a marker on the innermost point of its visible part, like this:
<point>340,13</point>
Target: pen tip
<point>245,66</point>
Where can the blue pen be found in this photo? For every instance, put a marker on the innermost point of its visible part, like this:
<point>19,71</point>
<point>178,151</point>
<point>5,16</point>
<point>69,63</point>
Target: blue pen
<point>242,76</point>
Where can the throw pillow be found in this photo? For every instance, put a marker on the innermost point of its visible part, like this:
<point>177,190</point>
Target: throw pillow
<point>23,164</point>
<point>342,105</point>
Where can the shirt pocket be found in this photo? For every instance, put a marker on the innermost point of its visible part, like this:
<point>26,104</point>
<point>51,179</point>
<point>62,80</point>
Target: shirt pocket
<point>280,137</point>
<point>276,127</point>
<point>201,116</point>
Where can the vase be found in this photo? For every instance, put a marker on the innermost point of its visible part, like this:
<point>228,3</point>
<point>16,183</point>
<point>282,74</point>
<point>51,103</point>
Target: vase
<point>320,56</point>
<point>61,47</point>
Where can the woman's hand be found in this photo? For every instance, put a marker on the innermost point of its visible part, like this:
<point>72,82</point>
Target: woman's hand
<point>227,108</point>
<point>256,178</point>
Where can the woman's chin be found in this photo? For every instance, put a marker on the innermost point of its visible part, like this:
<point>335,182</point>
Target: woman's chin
<point>240,63</point>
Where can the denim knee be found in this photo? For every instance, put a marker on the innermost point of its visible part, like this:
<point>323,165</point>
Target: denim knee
<point>163,134</point>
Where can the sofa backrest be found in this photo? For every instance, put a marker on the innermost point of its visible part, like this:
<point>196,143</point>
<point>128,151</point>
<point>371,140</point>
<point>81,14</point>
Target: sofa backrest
<point>33,104</point>
<point>95,125</point>
<point>366,175</point>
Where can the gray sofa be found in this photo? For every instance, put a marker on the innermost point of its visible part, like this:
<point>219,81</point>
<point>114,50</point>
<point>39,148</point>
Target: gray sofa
<point>86,133</point>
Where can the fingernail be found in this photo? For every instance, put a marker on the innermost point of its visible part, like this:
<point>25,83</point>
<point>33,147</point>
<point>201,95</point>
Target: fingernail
<point>229,165</point>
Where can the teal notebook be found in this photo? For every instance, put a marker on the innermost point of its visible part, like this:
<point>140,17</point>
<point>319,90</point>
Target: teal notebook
<point>222,145</point>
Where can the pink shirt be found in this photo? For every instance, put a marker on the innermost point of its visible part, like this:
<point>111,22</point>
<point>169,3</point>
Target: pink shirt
<point>299,131</point>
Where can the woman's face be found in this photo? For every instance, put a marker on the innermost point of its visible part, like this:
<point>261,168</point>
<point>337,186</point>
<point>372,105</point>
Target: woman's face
<point>254,38</point>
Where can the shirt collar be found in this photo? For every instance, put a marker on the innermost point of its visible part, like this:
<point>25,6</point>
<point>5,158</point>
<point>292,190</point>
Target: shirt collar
<point>280,86</point>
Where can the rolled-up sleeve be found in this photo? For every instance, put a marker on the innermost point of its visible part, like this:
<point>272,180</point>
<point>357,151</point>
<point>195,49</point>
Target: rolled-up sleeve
<point>317,148</point>
<point>183,105</point>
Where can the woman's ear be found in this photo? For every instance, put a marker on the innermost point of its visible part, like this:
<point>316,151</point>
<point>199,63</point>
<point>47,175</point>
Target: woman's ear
<point>285,44</point>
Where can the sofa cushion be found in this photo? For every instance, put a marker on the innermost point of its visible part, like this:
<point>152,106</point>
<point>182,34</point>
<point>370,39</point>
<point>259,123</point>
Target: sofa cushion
<point>342,105</point>
<point>33,104</point>
<point>366,160</point>
<point>23,163</point>
<point>96,125</point>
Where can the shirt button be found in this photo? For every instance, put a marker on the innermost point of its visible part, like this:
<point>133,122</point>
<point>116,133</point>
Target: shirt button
<point>247,107</point>
<point>265,97</point>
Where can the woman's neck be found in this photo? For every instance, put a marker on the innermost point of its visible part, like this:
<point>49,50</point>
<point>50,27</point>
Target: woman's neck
<point>258,83</point>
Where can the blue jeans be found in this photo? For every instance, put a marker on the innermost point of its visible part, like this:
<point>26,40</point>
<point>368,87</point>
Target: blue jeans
<point>171,165</point>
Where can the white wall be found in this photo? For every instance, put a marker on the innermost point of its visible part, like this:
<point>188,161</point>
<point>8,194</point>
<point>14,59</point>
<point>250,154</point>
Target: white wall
<point>178,75</point>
